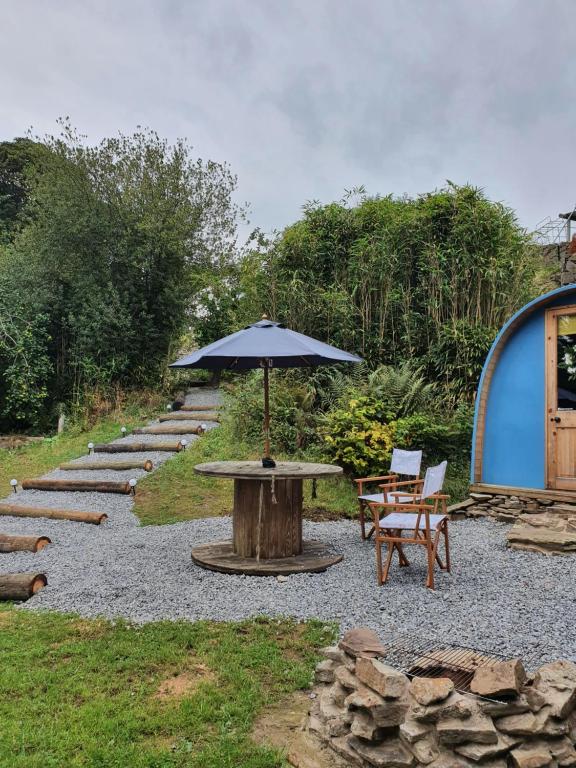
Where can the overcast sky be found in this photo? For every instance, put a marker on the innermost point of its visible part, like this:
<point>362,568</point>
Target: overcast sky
<point>307,98</point>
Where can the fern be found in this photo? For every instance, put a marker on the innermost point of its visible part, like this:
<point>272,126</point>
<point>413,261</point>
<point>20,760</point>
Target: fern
<point>403,390</point>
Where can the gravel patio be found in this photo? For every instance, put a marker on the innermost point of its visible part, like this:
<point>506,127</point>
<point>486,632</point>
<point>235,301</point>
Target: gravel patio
<point>509,602</point>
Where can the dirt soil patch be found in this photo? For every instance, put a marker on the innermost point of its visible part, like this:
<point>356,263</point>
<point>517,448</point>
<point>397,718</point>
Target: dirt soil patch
<point>178,686</point>
<point>283,726</point>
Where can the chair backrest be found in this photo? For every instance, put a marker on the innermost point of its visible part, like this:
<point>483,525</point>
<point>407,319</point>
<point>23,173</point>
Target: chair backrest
<point>406,462</point>
<point>434,480</point>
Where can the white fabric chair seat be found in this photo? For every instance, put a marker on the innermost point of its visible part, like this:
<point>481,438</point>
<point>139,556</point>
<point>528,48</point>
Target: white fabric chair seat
<point>406,521</point>
<point>398,498</point>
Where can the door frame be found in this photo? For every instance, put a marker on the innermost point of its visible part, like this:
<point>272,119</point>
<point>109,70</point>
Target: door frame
<point>551,387</point>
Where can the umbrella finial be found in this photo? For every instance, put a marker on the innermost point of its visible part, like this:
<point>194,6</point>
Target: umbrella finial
<point>264,316</point>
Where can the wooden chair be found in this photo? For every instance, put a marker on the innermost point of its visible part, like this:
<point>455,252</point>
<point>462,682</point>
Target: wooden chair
<point>404,463</point>
<point>425,519</point>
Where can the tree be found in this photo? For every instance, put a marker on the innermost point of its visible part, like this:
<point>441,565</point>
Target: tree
<point>113,242</point>
<point>430,278</point>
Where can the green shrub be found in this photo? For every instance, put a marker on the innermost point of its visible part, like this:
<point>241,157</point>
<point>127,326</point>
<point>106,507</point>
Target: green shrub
<point>457,356</point>
<point>292,423</point>
<point>438,437</point>
<point>361,436</point>
<point>358,437</point>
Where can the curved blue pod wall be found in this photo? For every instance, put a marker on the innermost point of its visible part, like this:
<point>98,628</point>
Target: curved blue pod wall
<point>509,442</point>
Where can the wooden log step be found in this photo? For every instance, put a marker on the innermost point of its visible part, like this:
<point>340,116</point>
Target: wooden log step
<point>189,416</point>
<point>136,447</point>
<point>23,543</point>
<point>169,429</point>
<point>90,486</point>
<point>117,465</point>
<point>21,586</point>
<point>15,510</point>
<point>200,407</point>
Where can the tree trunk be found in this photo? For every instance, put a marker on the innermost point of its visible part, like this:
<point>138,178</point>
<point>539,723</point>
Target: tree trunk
<point>190,416</point>
<point>23,543</point>
<point>91,486</point>
<point>136,447</point>
<point>117,465</point>
<point>14,510</point>
<point>21,586</point>
<point>200,407</point>
<point>168,429</point>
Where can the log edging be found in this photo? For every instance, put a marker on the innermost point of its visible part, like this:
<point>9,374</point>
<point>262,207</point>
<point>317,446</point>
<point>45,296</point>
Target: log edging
<point>16,510</point>
<point>21,586</point>
<point>10,543</point>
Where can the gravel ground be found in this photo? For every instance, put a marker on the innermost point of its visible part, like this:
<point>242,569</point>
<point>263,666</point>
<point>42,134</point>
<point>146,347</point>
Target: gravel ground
<point>500,600</point>
<point>514,603</point>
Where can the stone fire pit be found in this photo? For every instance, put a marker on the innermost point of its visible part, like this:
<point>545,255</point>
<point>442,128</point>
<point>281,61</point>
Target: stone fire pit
<point>373,715</point>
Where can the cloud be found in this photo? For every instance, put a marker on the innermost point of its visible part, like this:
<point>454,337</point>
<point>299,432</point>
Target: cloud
<point>305,98</point>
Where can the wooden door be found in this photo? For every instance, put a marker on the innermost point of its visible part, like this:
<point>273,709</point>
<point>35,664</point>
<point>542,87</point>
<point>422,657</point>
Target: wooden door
<point>561,398</point>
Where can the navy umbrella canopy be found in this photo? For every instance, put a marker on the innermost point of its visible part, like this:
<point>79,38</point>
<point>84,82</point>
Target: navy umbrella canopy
<point>266,345</point>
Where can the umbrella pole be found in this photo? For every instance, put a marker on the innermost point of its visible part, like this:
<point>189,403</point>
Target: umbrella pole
<point>266,411</point>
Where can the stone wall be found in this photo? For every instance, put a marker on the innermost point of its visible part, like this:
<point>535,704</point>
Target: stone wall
<point>561,258</point>
<point>372,715</point>
<point>540,525</point>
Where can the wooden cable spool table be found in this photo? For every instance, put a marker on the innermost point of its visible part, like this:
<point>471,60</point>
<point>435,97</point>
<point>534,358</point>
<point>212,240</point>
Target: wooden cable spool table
<point>267,520</point>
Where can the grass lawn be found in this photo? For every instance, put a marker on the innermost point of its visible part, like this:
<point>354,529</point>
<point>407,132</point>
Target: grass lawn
<point>37,458</point>
<point>76,692</point>
<point>174,492</point>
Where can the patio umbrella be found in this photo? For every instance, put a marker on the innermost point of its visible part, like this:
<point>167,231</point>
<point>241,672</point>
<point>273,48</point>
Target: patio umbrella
<point>265,345</point>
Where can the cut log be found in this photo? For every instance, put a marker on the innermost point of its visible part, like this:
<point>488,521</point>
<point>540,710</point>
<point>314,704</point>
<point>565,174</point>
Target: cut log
<point>21,586</point>
<point>23,543</point>
<point>200,407</point>
<point>169,429</point>
<point>190,416</point>
<point>15,510</point>
<point>136,447</point>
<point>117,465</point>
<point>90,486</point>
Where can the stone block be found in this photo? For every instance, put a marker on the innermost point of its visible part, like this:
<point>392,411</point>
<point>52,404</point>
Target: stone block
<point>477,728</point>
<point>501,678</point>
<point>531,756</point>
<point>387,713</point>
<point>529,724</point>
<point>426,750</point>
<point>324,672</point>
<point>563,752</point>
<point>412,731</point>
<point>481,752</point>
<point>385,680</point>
<point>342,748</point>
<point>364,726</point>
<point>346,678</point>
<point>389,754</point>
<point>361,641</point>
<point>455,706</point>
<point>333,653</point>
<point>452,760</point>
<point>431,690</point>
<point>515,706</point>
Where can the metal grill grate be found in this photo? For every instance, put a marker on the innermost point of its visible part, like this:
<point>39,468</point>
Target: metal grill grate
<point>420,657</point>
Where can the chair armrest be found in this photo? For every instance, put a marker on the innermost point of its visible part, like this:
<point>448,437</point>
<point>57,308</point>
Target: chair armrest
<point>373,479</point>
<point>403,493</point>
<point>408,482</point>
<point>360,481</point>
<point>375,505</point>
